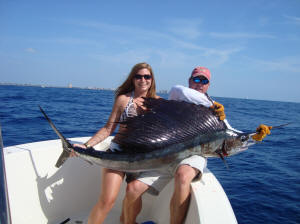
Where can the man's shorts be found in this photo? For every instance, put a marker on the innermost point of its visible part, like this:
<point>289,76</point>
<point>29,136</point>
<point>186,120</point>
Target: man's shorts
<point>158,179</point>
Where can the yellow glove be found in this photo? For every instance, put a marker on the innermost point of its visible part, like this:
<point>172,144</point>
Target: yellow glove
<point>263,131</point>
<point>219,110</point>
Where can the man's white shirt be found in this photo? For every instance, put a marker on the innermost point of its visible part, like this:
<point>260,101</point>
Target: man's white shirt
<point>182,93</point>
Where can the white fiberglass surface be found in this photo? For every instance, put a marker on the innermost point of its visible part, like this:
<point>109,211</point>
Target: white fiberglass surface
<point>41,193</point>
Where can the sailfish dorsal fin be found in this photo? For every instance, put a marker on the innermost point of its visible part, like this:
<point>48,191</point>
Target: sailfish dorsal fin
<point>166,122</point>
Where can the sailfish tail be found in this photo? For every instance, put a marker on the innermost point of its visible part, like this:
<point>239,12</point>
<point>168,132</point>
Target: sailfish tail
<point>67,146</point>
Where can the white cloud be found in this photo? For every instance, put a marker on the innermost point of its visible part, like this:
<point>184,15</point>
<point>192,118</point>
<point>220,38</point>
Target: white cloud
<point>70,41</point>
<point>128,44</point>
<point>284,65</point>
<point>186,28</point>
<point>238,35</point>
<point>155,42</point>
<point>125,57</point>
<point>263,21</point>
<point>293,19</point>
<point>30,50</point>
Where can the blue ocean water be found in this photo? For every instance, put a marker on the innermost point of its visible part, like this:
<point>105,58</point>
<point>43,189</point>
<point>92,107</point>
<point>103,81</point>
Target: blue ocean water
<point>262,184</point>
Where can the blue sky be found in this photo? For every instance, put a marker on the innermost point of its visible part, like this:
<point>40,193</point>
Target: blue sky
<point>251,47</point>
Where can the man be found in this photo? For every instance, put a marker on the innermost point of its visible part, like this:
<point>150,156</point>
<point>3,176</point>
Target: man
<point>192,167</point>
<point>187,170</point>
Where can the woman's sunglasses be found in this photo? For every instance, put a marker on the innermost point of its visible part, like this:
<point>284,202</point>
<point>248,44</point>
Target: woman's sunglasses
<point>146,77</point>
<point>201,80</point>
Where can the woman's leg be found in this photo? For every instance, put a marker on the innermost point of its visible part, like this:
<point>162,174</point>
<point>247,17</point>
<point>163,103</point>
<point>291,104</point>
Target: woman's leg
<point>110,186</point>
<point>132,204</point>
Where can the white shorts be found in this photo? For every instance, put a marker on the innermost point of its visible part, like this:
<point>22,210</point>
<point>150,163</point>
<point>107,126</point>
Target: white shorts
<point>114,147</point>
<point>158,179</point>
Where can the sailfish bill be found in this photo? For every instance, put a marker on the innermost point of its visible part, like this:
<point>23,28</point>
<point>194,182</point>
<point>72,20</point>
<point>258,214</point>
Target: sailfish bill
<point>67,146</point>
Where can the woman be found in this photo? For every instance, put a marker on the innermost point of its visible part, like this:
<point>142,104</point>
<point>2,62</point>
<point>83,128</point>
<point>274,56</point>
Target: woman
<point>139,83</point>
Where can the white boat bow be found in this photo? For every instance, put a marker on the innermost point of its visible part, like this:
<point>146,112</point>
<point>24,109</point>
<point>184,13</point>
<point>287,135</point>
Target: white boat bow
<point>38,192</point>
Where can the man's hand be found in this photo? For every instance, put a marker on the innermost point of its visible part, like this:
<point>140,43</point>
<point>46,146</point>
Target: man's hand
<point>219,110</point>
<point>262,132</point>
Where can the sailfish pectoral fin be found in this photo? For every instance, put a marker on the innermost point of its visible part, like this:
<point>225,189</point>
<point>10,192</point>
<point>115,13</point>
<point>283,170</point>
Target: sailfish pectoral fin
<point>67,146</point>
<point>223,153</point>
<point>223,159</point>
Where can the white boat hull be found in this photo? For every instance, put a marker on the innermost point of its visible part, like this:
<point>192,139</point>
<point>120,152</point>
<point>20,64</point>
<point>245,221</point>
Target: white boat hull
<point>38,192</point>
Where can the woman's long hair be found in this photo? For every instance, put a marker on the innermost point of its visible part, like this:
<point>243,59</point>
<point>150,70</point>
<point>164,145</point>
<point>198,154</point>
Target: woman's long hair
<point>128,85</point>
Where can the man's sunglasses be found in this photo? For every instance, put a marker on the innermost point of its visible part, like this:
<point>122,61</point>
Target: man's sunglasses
<point>201,80</point>
<point>146,77</point>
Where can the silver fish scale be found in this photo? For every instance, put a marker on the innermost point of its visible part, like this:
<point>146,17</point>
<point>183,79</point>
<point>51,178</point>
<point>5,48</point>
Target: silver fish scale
<point>156,159</point>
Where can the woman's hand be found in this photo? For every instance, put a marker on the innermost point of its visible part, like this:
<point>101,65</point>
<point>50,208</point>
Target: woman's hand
<point>79,145</point>
<point>139,102</point>
<point>73,153</point>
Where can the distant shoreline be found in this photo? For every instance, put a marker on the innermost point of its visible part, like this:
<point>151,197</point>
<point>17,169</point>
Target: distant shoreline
<point>112,89</point>
<point>70,86</point>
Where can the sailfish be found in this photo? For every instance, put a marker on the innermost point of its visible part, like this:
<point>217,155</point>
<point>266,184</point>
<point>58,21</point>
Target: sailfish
<point>167,132</point>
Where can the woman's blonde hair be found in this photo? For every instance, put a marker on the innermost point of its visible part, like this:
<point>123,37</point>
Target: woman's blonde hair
<point>128,85</point>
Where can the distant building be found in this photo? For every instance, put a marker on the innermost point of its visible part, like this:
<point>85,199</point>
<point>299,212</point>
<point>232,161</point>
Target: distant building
<point>70,85</point>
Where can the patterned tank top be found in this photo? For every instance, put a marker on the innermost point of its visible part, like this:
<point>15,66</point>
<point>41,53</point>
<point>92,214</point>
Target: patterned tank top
<point>130,110</point>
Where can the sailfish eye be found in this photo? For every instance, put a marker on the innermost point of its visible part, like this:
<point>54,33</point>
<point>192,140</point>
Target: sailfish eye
<point>244,138</point>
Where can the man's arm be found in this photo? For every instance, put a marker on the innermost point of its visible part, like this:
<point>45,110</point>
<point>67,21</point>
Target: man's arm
<point>181,93</point>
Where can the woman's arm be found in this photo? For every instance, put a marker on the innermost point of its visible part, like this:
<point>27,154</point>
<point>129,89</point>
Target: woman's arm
<point>111,123</point>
